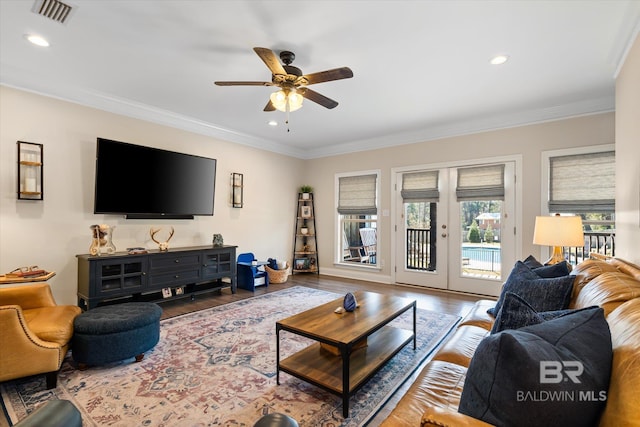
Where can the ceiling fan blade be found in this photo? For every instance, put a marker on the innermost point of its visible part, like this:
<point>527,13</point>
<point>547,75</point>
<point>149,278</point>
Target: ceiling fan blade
<point>270,59</point>
<point>314,96</point>
<point>329,75</point>
<point>244,83</point>
<point>269,107</point>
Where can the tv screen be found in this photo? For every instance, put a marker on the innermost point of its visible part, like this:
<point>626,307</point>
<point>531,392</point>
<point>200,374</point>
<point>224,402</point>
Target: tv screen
<point>145,182</point>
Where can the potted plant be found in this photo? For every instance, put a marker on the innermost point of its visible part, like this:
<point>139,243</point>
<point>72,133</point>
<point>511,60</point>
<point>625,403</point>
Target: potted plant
<point>306,190</point>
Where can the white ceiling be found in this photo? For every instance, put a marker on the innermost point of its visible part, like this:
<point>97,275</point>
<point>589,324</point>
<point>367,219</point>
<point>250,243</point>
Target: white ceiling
<point>421,68</point>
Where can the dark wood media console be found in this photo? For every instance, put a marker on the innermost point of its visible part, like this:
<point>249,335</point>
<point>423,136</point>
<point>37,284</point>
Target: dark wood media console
<point>142,277</point>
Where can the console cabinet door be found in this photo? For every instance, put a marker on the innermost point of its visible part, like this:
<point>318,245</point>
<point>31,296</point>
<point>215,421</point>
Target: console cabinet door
<point>115,276</point>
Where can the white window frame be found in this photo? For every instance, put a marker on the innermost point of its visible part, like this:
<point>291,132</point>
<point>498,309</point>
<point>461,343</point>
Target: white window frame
<point>339,227</point>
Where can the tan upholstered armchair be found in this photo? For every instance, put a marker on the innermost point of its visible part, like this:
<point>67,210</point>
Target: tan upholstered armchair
<point>36,333</point>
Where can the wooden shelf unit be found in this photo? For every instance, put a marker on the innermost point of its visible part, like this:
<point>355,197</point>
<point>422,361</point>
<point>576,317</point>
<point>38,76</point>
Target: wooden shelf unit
<point>305,246</point>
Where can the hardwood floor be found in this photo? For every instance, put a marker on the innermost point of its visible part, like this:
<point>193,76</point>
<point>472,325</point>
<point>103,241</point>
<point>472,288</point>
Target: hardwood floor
<point>429,299</point>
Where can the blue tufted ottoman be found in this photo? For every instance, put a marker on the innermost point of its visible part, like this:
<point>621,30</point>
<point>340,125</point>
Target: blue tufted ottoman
<point>115,332</point>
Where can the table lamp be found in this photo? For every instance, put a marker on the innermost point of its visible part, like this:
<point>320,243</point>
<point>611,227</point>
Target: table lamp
<point>558,231</point>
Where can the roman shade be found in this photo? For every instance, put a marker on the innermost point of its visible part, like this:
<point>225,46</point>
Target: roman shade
<point>420,187</point>
<point>583,183</point>
<point>480,183</point>
<point>357,195</point>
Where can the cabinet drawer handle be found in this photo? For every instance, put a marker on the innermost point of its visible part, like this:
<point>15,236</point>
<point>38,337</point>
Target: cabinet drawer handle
<point>177,261</point>
<point>176,277</point>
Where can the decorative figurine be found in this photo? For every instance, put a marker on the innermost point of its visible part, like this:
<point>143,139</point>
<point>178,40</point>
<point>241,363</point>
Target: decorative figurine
<point>102,239</point>
<point>217,240</point>
<point>350,303</point>
<point>163,246</point>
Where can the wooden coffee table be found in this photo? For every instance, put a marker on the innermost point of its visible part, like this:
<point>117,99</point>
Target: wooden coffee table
<point>350,347</point>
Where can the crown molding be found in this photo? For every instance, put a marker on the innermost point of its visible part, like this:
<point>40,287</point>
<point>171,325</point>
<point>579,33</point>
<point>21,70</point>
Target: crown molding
<point>129,108</point>
<point>472,126</point>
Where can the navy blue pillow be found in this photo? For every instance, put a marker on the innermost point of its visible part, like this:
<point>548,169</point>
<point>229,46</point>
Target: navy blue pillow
<point>517,313</point>
<point>554,270</point>
<point>532,262</point>
<point>507,385</point>
<point>543,294</point>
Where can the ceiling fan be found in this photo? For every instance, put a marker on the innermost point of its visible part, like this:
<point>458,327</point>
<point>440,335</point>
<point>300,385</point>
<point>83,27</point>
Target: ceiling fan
<point>292,83</point>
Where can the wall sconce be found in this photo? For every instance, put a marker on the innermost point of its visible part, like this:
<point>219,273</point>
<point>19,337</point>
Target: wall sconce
<point>30,178</point>
<point>236,189</point>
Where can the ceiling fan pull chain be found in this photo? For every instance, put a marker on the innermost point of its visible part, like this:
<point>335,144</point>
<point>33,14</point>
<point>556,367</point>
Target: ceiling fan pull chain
<point>287,121</point>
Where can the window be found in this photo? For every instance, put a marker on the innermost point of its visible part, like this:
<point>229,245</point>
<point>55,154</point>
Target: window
<point>357,211</point>
<point>582,182</point>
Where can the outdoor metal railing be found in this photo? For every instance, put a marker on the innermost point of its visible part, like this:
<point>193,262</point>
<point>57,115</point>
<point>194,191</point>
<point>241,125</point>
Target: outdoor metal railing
<point>482,258</point>
<point>602,242</point>
<point>420,254</point>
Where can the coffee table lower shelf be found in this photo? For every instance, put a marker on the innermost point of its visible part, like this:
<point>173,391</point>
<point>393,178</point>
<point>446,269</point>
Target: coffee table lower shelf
<point>324,369</point>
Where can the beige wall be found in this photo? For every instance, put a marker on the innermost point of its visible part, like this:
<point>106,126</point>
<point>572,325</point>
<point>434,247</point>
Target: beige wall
<point>526,141</point>
<point>628,157</point>
<point>50,233</point>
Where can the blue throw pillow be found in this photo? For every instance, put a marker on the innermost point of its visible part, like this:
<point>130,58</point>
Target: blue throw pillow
<point>552,374</point>
<point>554,270</point>
<point>517,313</point>
<point>543,294</point>
<point>532,262</point>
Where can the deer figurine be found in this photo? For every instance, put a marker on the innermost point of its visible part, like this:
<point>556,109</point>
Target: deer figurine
<point>163,246</point>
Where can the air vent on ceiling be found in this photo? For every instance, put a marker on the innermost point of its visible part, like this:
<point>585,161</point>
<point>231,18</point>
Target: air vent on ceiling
<point>53,9</point>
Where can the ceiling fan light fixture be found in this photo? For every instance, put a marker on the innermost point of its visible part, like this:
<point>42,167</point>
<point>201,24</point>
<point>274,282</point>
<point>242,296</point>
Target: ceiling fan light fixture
<point>281,98</point>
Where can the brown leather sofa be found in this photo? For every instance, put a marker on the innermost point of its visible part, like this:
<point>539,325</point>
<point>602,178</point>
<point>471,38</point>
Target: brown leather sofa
<point>614,285</point>
<point>36,332</point>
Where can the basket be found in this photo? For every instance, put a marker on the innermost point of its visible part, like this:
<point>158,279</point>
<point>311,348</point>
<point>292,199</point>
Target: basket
<point>278,276</point>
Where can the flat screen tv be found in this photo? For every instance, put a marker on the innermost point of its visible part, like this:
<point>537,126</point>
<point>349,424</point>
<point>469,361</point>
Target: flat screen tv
<point>143,182</point>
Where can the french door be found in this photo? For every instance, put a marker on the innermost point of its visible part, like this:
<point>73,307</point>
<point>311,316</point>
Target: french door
<point>455,227</point>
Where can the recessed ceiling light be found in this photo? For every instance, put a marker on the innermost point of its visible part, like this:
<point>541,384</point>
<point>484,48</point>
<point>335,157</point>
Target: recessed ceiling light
<point>37,40</point>
<point>499,59</point>
<point>272,123</point>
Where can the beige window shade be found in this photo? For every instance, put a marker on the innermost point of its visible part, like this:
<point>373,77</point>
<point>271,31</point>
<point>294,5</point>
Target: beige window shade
<point>357,195</point>
<point>481,183</point>
<point>420,187</point>
<point>582,183</point>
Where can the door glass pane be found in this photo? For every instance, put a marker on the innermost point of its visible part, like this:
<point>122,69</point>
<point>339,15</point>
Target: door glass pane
<point>481,238</point>
<point>420,235</point>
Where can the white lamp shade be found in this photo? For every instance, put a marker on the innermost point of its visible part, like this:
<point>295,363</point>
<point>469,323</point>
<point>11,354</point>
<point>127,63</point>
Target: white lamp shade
<point>558,231</point>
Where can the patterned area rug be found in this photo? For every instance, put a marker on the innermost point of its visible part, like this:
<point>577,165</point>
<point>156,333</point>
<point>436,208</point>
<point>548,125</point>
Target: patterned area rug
<point>216,367</point>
